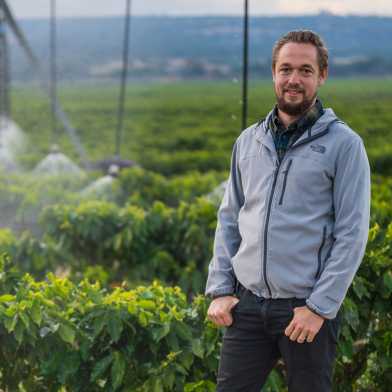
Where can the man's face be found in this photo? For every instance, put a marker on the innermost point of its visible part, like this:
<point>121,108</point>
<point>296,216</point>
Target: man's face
<point>297,77</point>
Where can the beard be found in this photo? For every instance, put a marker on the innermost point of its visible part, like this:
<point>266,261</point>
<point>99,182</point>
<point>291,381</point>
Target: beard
<point>292,108</point>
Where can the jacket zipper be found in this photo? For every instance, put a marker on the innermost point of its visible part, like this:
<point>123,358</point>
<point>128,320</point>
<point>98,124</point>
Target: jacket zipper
<point>270,203</point>
<point>285,181</point>
<point>319,252</point>
<point>278,164</point>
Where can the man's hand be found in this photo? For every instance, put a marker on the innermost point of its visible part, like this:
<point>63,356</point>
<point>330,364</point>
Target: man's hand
<point>304,326</point>
<point>219,311</point>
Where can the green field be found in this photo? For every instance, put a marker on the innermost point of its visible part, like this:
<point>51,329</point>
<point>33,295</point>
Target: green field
<point>174,127</point>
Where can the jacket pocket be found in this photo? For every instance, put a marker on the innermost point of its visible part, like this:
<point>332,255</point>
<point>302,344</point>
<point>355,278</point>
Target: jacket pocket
<point>286,172</point>
<point>320,252</point>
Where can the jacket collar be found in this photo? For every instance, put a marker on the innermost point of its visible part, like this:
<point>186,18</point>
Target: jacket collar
<point>263,133</point>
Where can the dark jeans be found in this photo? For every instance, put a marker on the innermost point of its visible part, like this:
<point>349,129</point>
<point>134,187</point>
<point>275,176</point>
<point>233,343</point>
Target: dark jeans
<point>255,341</point>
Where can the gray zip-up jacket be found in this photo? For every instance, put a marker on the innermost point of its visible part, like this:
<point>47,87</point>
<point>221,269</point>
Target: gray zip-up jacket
<point>297,228</point>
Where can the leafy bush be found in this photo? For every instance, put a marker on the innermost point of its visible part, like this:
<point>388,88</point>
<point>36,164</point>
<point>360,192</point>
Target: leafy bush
<point>143,187</point>
<point>58,334</point>
<point>172,243</point>
<point>81,337</point>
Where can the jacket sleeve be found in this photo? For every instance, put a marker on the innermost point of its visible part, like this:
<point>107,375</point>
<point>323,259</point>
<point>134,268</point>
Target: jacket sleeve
<point>221,279</point>
<point>351,198</point>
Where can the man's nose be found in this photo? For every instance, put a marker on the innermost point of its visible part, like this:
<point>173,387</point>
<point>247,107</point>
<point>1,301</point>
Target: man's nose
<point>294,77</point>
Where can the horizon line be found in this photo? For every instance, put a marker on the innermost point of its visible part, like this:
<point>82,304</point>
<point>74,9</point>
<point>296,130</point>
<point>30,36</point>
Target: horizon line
<point>183,15</point>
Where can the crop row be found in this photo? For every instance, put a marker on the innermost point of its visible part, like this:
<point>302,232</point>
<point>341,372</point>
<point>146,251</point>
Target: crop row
<point>57,335</point>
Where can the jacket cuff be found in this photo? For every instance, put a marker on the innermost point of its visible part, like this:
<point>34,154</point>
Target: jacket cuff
<point>315,309</point>
<point>221,293</point>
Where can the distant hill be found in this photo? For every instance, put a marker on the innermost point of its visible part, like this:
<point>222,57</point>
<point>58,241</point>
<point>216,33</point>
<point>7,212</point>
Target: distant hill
<point>201,47</point>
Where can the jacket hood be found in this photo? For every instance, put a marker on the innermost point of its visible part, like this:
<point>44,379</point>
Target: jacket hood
<point>321,127</point>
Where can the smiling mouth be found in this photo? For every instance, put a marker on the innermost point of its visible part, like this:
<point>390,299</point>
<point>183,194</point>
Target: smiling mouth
<point>293,92</point>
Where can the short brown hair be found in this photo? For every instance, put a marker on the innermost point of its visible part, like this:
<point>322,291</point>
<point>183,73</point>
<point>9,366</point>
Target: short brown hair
<point>303,37</point>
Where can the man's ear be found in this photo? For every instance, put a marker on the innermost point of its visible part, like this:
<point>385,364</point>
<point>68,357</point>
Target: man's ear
<point>323,77</point>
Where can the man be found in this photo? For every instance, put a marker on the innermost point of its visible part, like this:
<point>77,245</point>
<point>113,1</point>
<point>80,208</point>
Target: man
<point>291,233</point>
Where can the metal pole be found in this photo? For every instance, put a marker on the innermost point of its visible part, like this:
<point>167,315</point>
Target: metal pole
<point>7,78</point>
<point>4,73</point>
<point>53,78</point>
<point>245,68</point>
<point>121,102</point>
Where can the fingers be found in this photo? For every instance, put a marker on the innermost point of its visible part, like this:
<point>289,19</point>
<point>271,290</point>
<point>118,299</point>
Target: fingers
<point>296,333</point>
<point>290,328</point>
<point>310,337</point>
<point>222,319</point>
<point>304,326</point>
<point>219,311</point>
<point>234,303</point>
<point>302,336</point>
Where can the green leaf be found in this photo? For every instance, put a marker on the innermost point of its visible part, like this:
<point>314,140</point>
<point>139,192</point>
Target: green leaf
<point>118,369</point>
<point>70,363</point>
<point>158,387</point>
<point>360,288</point>
<point>19,332</point>
<point>67,333</point>
<point>169,379</point>
<point>161,332</point>
<point>142,318</point>
<point>99,323</point>
<point>197,348</point>
<point>36,314</point>
<point>10,323</point>
<point>387,279</point>
<point>194,386</point>
<point>115,328</point>
<point>183,331</point>
<point>181,369</point>
<point>187,360</point>
<point>101,367</point>
<point>147,304</point>
<point>25,319</point>
<point>172,341</point>
<point>7,298</point>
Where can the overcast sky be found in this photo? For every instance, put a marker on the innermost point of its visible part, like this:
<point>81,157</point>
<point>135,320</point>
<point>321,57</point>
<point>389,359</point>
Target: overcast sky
<point>70,8</point>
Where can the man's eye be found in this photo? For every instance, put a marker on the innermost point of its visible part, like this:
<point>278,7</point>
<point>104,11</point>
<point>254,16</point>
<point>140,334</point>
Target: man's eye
<point>285,70</point>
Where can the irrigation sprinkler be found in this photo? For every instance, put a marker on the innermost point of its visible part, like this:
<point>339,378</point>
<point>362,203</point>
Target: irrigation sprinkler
<point>56,163</point>
<point>37,66</point>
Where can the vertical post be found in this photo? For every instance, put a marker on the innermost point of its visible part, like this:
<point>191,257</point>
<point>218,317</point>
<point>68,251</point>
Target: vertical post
<point>123,86</point>
<point>7,78</point>
<point>4,73</point>
<point>245,67</point>
<point>53,76</point>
